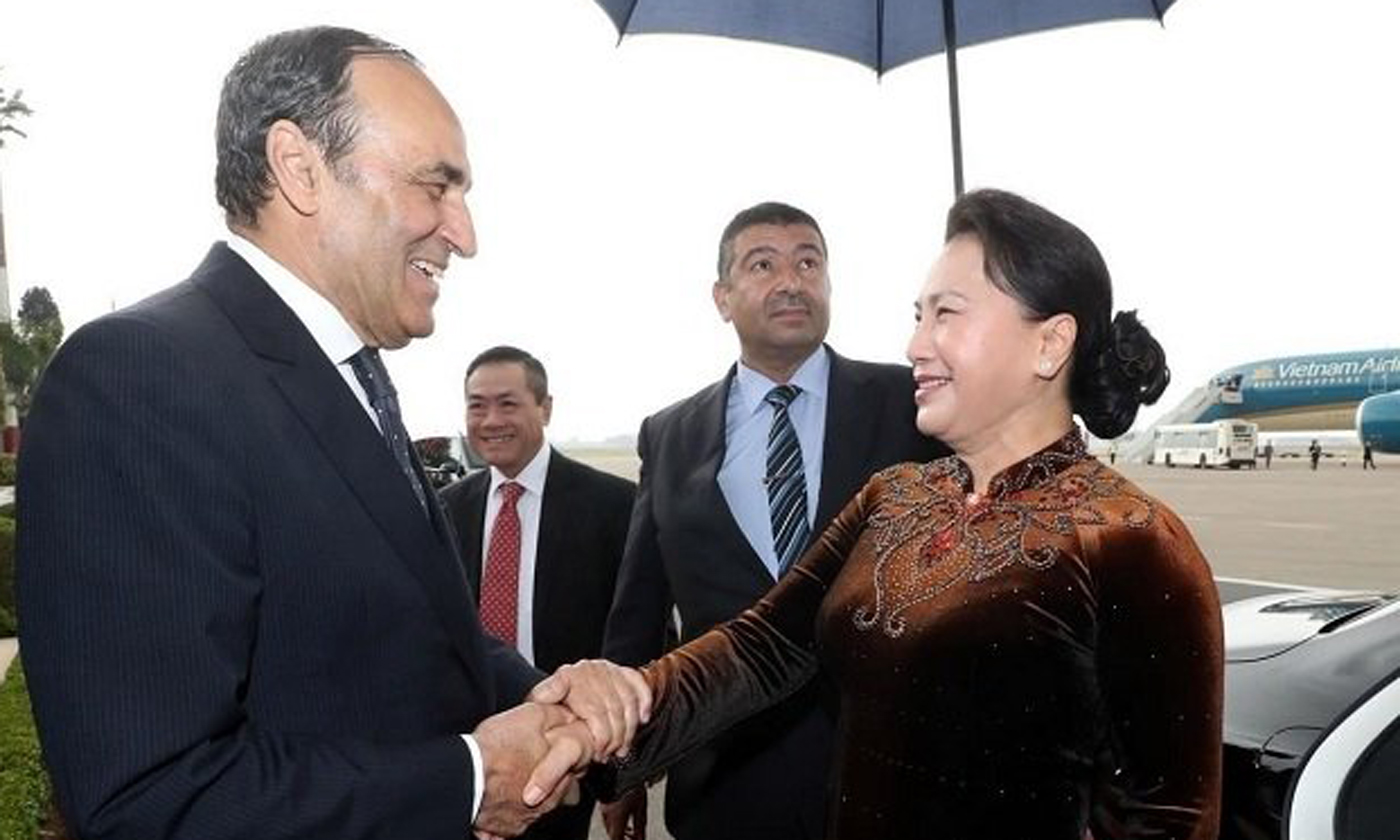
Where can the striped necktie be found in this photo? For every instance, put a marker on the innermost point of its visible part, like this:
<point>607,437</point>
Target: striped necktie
<point>787,481</point>
<point>374,378</point>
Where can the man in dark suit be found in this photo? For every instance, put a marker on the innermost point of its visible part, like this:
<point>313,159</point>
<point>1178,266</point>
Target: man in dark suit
<point>242,617</point>
<point>541,535</point>
<point>736,481</point>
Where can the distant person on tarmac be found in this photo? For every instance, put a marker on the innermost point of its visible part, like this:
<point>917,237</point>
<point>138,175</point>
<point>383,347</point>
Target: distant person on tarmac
<point>1314,452</point>
<point>1367,458</point>
<point>1269,455</point>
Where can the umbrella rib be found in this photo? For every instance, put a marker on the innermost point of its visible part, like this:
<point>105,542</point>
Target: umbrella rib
<point>627,21</point>
<point>879,39</point>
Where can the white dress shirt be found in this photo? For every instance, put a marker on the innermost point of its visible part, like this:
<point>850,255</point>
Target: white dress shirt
<point>320,317</point>
<point>747,420</point>
<point>531,479</point>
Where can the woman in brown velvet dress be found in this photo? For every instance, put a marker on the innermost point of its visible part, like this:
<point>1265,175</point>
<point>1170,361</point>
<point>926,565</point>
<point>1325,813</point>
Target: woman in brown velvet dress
<point>1026,645</point>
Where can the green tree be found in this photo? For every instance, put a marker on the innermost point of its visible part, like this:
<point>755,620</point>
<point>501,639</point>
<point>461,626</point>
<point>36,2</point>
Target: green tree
<point>39,322</point>
<point>29,343</point>
<point>12,107</point>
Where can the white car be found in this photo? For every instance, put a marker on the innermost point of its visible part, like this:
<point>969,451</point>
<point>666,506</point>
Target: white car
<point>1312,717</point>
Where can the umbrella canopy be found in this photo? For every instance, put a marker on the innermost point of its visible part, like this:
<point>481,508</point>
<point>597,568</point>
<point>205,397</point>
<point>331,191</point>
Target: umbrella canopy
<point>882,34</point>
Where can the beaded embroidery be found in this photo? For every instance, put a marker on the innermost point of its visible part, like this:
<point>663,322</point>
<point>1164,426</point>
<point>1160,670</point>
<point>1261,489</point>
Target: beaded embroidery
<point>931,533</point>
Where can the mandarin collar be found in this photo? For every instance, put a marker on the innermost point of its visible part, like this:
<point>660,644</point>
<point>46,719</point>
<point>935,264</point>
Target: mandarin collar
<point>1035,470</point>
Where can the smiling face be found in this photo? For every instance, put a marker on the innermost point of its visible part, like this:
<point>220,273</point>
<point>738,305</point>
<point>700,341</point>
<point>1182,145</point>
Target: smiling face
<point>505,421</point>
<point>983,371</point>
<point>777,294</point>
<point>394,207</point>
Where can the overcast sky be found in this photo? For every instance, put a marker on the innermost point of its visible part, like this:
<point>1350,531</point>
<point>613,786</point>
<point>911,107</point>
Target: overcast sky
<point>1239,168</point>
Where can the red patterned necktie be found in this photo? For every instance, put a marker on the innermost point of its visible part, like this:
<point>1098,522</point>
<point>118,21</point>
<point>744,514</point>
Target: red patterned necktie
<point>500,579</point>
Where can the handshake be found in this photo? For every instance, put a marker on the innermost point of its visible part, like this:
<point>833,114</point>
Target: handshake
<point>534,754</point>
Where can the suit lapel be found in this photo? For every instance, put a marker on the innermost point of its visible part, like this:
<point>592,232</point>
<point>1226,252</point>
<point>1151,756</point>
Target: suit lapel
<point>850,434</point>
<point>710,428</point>
<point>436,517</point>
<point>709,417</point>
<point>477,487</point>
<point>553,549</point>
<point>314,390</point>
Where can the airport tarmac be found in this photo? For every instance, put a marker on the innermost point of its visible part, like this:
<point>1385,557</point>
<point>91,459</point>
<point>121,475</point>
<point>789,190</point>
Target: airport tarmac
<point>1337,527</point>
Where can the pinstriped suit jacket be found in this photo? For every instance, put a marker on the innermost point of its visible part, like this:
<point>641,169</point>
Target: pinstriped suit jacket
<point>237,621</point>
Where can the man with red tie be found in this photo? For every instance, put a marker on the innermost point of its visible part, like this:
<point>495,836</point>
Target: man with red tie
<point>541,535</point>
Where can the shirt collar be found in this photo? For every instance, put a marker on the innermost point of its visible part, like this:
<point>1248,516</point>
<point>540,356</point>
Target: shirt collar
<point>327,326</point>
<point>531,477</point>
<point>811,377</point>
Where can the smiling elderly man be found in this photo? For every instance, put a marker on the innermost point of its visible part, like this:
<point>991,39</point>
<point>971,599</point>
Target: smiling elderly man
<point>242,615</point>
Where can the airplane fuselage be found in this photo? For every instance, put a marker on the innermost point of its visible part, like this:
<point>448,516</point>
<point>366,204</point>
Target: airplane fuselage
<point>1359,390</point>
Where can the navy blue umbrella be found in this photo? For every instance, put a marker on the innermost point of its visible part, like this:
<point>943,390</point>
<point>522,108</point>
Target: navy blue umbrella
<point>881,34</point>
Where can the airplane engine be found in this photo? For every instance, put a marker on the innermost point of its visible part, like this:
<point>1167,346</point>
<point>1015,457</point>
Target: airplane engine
<point>1378,421</point>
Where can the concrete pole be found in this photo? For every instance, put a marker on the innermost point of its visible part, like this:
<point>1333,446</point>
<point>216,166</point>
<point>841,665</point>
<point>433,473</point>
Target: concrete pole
<point>10,434</point>
<point>4,275</point>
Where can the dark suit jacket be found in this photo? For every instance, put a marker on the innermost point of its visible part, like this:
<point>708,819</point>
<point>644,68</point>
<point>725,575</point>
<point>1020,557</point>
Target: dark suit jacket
<point>583,528</point>
<point>768,777</point>
<point>237,621</point>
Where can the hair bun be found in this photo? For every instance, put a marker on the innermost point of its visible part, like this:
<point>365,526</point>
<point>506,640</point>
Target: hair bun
<point>1127,370</point>
<point>1138,357</point>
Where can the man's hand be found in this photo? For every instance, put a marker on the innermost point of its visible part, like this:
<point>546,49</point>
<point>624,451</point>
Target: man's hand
<point>626,819</point>
<point>532,755</point>
<point>612,700</point>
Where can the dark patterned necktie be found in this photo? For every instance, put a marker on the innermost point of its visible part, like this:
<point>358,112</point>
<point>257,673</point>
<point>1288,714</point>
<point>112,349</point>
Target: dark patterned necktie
<point>374,378</point>
<point>787,480</point>
<point>500,578</point>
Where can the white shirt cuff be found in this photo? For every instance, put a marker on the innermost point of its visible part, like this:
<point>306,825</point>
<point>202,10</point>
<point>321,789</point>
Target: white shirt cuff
<point>478,775</point>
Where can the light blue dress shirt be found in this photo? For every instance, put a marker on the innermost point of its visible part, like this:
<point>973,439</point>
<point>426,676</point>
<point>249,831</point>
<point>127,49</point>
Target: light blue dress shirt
<point>747,419</point>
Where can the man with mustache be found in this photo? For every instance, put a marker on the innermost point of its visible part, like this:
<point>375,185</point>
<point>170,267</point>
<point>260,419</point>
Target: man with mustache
<point>736,481</point>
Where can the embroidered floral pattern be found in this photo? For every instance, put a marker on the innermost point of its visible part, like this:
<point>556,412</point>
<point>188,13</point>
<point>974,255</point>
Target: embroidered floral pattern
<point>932,533</point>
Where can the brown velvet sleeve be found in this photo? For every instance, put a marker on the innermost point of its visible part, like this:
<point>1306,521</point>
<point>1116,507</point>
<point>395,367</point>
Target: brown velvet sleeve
<point>743,666</point>
<point>1160,668</point>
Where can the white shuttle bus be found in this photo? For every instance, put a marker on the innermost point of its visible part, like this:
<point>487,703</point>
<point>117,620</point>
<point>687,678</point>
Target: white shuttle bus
<point>1223,443</point>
